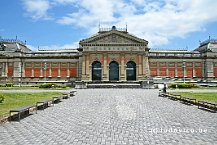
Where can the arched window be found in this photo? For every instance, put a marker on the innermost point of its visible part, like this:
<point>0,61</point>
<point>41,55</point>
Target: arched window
<point>131,71</point>
<point>113,71</point>
<point>96,71</point>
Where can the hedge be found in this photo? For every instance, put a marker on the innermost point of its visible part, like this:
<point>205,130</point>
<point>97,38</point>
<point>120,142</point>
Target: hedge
<point>183,85</point>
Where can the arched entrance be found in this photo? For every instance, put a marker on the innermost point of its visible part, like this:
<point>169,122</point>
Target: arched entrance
<point>96,71</point>
<point>131,71</point>
<point>113,71</point>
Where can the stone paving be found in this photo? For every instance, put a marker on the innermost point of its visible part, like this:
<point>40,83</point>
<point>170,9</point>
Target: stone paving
<point>114,116</point>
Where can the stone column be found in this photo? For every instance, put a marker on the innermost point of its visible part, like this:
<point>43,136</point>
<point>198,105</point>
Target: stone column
<point>123,70</point>
<point>87,67</point>
<point>140,67</point>
<point>83,77</point>
<point>105,70</point>
<point>145,64</point>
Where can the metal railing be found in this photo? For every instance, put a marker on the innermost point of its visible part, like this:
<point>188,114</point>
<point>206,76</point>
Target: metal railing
<point>12,41</point>
<point>208,41</point>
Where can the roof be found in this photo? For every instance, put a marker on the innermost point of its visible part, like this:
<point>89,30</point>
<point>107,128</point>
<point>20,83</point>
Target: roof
<point>106,32</point>
<point>209,45</point>
<point>13,45</point>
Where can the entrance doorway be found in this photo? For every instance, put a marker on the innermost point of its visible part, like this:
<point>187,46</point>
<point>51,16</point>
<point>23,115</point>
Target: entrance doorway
<point>113,71</point>
<point>96,71</point>
<point>131,71</point>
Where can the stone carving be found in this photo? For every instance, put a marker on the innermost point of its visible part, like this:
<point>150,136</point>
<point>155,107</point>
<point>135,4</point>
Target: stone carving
<point>114,38</point>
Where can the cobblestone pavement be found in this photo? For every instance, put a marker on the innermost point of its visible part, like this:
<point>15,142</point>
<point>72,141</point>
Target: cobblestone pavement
<point>114,116</point>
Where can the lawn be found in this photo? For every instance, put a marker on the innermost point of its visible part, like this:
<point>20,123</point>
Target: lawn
<point>32,88</point>
<point>16,100</point>
<point>212,97</point>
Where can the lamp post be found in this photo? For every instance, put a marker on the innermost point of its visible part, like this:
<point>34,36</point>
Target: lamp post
<point>184,70</point>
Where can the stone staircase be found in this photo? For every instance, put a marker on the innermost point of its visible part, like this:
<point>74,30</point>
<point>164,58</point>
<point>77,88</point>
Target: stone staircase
<point>111,84</point>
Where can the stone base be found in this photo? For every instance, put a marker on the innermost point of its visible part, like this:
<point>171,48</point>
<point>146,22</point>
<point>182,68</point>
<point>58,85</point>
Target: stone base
<point>80,85</point>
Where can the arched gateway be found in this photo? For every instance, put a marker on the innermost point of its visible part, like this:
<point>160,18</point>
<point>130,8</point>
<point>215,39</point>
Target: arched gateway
<point>113,71</point>
<point>96,71</point>
<point>131,71</point>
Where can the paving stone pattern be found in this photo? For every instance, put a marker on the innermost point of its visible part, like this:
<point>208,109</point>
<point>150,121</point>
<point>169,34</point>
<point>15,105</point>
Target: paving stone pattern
<point>114,116</point>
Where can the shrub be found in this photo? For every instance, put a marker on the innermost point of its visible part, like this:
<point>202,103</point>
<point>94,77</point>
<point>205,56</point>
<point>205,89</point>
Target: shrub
<point>9,85</point>
<point>48,85</point>
<point>183,85</point>
<point>34,86</point>
<point>2,98</point>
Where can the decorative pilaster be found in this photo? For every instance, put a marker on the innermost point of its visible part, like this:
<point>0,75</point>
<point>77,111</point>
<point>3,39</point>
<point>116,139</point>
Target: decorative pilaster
<point>4,69</point>
<point>176,70</point>
<point>68,71</point>
<point>87,67</point>
<point>83,77</point>
<point>32,74</point>
<point>59,65</point>
<point>146,69</point>
<point>194,72</point>
<point>123,69</point>
<point>105,70</point>
<point>23,69</point>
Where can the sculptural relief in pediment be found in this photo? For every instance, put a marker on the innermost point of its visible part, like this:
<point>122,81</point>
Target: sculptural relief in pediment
<point>114,39</point>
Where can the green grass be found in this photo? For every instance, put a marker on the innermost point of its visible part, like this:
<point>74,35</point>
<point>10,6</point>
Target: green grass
<point>212,97</point>
<point>16,100</point>
<point>34,88</point>
<point>199,88</point>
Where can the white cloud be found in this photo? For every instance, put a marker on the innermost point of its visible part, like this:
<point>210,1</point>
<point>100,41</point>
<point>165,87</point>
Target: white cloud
<point>73,45</point>
<point>65,1</point>
<point>37,9</point>
<point>156,21</point>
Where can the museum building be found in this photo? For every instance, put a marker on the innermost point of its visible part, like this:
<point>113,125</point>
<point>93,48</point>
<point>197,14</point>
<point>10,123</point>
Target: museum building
<point>111,55</point>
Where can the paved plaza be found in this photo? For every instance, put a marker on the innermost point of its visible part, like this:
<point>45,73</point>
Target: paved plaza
<point>114,116</point>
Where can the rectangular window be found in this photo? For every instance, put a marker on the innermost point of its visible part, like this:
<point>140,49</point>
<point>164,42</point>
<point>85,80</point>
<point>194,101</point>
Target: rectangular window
<point>28,64</point>
<point>179,64</point>
<point>171,64</point>
<point>37,64</point>
<point>153,64</point>
<point>197,64</point>
<point>55,64</point>
<point>162,64</point>
<point>64,64</point>
<point>189,64</point>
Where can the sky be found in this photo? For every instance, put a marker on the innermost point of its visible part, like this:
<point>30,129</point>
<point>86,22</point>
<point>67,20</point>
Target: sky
<point>56,24</point>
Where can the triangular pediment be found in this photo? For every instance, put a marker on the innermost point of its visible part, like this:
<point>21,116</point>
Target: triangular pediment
<point>114,37</point>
